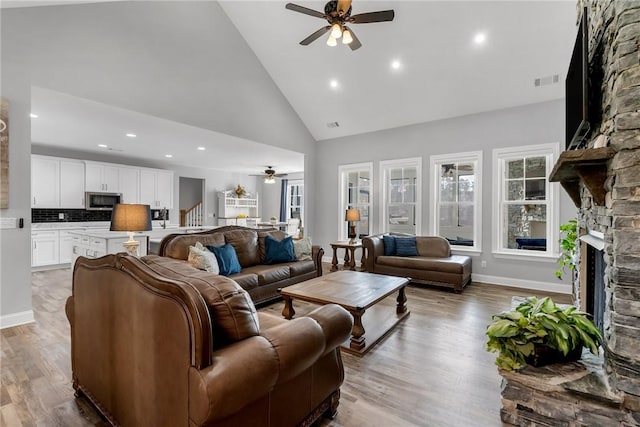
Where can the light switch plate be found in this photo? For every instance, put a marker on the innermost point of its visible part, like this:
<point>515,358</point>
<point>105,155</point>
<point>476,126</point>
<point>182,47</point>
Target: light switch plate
<point>60,215</point>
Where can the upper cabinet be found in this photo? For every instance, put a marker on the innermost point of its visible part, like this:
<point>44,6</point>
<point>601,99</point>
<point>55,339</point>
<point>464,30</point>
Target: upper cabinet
<point>61,183</point>
<point>156,188</point>
<point>57,183</point>
<point>45,182</point>
<point>101,177</point>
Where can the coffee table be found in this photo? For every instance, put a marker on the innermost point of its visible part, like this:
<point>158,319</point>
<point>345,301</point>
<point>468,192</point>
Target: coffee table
<point>359,293</point>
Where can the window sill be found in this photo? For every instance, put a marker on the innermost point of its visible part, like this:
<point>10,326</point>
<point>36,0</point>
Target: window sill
<point>530,255</point>
<point>471,251</point>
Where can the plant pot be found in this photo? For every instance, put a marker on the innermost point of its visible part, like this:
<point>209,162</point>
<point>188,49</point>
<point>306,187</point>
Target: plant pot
<point>545,355</point>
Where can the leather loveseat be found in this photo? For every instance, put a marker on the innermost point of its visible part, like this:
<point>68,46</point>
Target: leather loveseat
<point>262,281</point>
<point>434,264</point>
<point>151,347</point>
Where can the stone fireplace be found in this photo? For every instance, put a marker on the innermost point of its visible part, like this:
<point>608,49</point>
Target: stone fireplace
<point>603,180</point>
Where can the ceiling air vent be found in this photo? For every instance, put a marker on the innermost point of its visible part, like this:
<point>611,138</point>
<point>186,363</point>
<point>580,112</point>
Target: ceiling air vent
<point>333,124</point>
<point>547,80</point>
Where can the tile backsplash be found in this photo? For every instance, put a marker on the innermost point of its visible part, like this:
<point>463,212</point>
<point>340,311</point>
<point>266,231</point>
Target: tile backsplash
<point>77,215</point>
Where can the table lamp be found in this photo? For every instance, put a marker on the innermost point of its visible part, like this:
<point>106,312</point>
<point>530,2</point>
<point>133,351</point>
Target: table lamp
<point>351,216</point>
<point>131,218</point>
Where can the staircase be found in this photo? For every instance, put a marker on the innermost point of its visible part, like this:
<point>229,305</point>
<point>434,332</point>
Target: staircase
<point>191,217</point>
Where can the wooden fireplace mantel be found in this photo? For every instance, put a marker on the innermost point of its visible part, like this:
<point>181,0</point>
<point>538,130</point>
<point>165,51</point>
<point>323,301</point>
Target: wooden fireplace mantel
<point>588,166</point>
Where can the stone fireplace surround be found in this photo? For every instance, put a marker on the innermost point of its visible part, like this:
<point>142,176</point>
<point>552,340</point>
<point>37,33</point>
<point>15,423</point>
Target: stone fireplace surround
<point>606,390</point>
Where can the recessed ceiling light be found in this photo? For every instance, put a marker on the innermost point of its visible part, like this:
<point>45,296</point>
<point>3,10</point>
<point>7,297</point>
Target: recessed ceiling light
<point>168,155</point>
<point>201,148</point>
<point>33,116</point>
<point>102,145</point>
<point>480,38</point>
<point>333,83</point>
<point>395,65</point>
<point>132,135</point>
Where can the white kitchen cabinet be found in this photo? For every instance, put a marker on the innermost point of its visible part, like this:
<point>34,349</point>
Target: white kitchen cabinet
<point>156,188</point>
<point>71,184</point>
<point>129,184</point>
<point>65,246</point>
<point>44,247</point>
<point>94,244</point>
<point>57,183</point>
<point>101,177</point>
<point>45,182</point>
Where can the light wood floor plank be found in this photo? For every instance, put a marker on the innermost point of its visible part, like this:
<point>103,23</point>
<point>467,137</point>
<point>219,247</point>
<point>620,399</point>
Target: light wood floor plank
<point>431,370</point>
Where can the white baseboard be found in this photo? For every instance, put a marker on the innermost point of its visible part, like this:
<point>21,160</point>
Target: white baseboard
<point>535,285</point>
<point>327,259</point>
<point>15,319</point>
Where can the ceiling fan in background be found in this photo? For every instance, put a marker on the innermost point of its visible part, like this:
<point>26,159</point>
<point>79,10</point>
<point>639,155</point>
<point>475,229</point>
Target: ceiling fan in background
<point>338,15</point>
<point>270,175</point>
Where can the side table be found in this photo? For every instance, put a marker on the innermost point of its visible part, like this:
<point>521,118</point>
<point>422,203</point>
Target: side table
<point>349,254</point>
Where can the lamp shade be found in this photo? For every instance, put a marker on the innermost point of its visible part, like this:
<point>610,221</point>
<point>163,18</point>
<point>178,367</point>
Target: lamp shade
<point>352,215</point>
<point>126,217</point>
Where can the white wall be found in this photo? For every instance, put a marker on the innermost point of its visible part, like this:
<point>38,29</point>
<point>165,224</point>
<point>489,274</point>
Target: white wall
<point>533,124</point>
<point>181,61</point>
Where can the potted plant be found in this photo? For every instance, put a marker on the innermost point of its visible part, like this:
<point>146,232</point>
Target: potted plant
<point>538,332</point>
<point>273,219</point>
<point>568,239</point>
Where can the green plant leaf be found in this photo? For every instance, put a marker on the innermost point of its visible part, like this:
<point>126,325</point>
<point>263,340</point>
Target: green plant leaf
<point>502,328</point>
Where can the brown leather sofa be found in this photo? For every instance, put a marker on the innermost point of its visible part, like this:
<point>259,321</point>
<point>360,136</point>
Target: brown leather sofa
<point>151,347</point>
<point>434,264</point>
<point>262,281</point>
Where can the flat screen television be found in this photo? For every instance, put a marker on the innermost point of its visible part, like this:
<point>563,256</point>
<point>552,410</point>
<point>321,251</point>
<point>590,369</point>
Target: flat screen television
<point>577,89</point>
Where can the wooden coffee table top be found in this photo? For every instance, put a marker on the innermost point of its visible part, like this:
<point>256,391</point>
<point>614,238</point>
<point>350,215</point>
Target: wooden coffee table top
<point>353,290</point>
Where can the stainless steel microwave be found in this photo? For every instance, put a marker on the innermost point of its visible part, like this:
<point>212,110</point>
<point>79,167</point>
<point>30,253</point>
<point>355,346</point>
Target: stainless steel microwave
<point>101,201</point>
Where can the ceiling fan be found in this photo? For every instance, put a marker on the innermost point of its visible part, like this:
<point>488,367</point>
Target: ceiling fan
<point>270,175</point>
<point>338,15</point>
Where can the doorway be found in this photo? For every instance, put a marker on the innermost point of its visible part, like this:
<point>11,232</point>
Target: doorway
<point>191,201</point>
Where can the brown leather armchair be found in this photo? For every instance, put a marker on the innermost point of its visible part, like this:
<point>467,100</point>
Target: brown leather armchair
<point>152,347</point>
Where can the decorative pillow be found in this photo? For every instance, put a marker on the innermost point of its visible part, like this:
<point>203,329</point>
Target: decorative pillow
<point>279,251</point>
<point>389,245</point>
<point>406,246</point>
<point>302,249</point>
<point>227,259</point>
<point>203,259</point>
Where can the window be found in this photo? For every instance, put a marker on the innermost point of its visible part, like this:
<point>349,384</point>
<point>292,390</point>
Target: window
<point>295,199</point>
<point>456,199</point>
<point>401,187</point>
<point>525,202</point>
<point>355,193</point>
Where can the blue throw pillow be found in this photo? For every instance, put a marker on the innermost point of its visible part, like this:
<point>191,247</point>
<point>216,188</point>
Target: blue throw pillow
<point>227,259</point>
<point>406,246</point>
<point>389,245</point>
<point>279,250</point>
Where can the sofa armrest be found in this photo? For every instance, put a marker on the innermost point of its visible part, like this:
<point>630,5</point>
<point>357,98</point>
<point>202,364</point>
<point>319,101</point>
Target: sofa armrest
<point>239,374</point>
<point>336,323</point>
<point>316,254</point>
<point>373,247</point>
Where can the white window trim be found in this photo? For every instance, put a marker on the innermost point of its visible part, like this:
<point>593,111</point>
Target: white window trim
<point>291,183</point>
<point>343,172</point>
<point>474,157</point>
<point>385,165</point>
<point>553,200</point>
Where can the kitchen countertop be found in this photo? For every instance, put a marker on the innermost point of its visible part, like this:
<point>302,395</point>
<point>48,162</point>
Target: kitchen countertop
<point>156,233</point>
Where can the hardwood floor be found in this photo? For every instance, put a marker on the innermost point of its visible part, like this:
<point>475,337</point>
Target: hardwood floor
<point>432,370</point>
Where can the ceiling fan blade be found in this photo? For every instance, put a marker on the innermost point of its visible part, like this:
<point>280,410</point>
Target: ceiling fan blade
<point>343,7</point>
<point>365,18</point>
<point>355,44</point>
<point>304,10</point>
<point>313,37</point>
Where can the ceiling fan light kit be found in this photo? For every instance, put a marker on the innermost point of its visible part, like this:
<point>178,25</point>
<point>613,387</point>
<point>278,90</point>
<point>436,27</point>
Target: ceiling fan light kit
<point>338,13</point>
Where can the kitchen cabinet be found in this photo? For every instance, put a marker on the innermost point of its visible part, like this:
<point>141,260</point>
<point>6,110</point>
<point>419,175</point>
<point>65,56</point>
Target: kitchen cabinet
<point>94,244</point>
<point>129,184</point>
<point>65,246</point>
<point>101,177</point>
<point>57,183</point>
<point>44,247</point>
<point>72,184</point>
<point>45,182</point>
<point>156,188</point>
